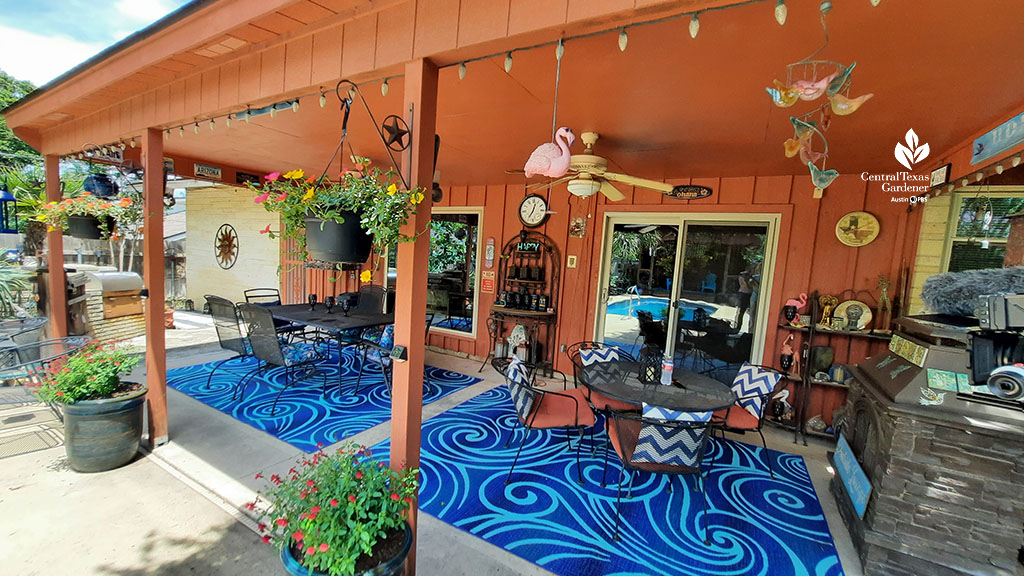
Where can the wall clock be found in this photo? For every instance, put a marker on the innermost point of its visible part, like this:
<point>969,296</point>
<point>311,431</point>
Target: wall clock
<point>533,211</point>
<point>225,246</point>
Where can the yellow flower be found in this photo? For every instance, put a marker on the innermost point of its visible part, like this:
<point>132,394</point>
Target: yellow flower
<point>308,195</point>
<point>295,174</point>
<point>392,189</point>
<point>366,276</point>
<point>416,197</point>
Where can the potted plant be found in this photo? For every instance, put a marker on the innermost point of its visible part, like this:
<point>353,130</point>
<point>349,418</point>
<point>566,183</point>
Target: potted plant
<point>339,514</point>
<point>102,413</point>
<point>84,216</point>
<point>339,221</point>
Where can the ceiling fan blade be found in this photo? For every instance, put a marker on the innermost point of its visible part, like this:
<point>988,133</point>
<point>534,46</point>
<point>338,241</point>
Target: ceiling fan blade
<point>540,185</point>
<point>611,192</point>
<point>641,182</point>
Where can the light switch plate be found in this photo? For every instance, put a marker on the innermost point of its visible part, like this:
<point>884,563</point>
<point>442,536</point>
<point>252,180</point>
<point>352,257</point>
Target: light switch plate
<point>570,261</point>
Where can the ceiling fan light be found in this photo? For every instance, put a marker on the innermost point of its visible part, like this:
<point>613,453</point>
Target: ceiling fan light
<point>583,187</point>
<point>781,12</point>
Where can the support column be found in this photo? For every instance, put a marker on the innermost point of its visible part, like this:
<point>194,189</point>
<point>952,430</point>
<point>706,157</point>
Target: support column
<point>153,278</point>
<point>56,291</point>
<point>411,285</point>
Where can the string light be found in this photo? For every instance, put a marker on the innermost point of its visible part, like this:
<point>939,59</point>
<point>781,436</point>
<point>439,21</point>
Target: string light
<point>508,63</point>
<point>623,40</point>
<point>1016,161</point>
<point>181,131</point>
<point>133,142</point>
<point>950,187</point>
<point>122,145</point>
<point>694,27</point>
<point>963,182</point>
<point>273,111</point>
<point>195,129</point>
<point>462,71</point>
<point>227,121</point>
<point>560,50</point>
<point>352,92</point>
<point>323,98</point>
<point>213,125</point>
<point>295,105</point>
<point>167,134</point>
<point>875,3</point>
<point>781,12</point>
<point>247,115</point>
<point>999,168</point>
<point>384,88</point>
<point>978,177</point>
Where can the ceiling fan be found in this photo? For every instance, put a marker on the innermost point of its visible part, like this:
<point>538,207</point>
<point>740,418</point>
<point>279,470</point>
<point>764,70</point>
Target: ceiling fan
<point>588,174</point>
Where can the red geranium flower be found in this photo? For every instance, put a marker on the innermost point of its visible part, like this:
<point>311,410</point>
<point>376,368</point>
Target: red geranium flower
<point>324,546</point>
<point>282,522</point>
<point>297,536</point>
<point>334,502</point>
<point>266,539</point>
<point>395,497</point>
<point>351,498</point>
<point>310,551</point>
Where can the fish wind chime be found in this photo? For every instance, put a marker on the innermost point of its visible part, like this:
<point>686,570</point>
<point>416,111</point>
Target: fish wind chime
<point>808,80</point>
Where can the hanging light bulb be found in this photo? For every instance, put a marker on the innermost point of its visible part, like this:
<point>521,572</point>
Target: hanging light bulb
<point>351,93</point>
<point>213,125</point>
<point>508,63</point>
<point>999,168</point>
<point>623,40</point>
<point>384,88</point>
<point>122,145</point>
<point>195,129</point>
<point>462,71</point>
<point>978,177</point>
<point>248,113</point>
<point>559,50</point>
<point>694,27</point>
<point>167,134</point>
<point>132,143</point>
<point>273,110</point>
<point>323,100</point>
<point>181,131</point>
<point>950,187</point>
<point>963,182</point>
<point>295,105</point>
<point>227,121</point>
<point>781,12</point>
<point>1016,161</point>
<point>875,3</point>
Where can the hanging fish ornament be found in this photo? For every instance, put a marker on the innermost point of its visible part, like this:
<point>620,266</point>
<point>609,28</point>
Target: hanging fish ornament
<point>822,178</point>
<point>813,89</point>
<point>840,80</point>
<point>843,106</point>
<point>782,96</point>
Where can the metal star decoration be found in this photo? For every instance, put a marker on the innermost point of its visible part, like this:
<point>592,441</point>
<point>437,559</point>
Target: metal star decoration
<point>395,132</point>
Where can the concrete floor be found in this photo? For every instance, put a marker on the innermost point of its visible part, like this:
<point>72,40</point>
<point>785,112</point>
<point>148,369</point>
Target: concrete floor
<point>185,499</point>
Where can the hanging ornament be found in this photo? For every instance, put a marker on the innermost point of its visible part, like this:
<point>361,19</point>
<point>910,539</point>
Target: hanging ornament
<point>843,106</point>
<point>822,178</point>
<point>623,40</point>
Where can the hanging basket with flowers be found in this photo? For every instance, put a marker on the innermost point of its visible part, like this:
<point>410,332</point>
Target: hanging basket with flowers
<point>85,216</point>
<point>339,221</point>
<point>340,513</point>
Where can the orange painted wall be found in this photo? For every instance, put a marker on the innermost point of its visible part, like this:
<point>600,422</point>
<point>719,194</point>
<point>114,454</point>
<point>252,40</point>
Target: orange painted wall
<point>809,256</point>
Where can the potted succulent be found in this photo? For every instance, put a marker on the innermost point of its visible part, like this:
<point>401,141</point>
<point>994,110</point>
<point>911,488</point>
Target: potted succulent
<point>339,221</point>
<point>339,514</point>
<point>102,413</point>
<point>85,216</point>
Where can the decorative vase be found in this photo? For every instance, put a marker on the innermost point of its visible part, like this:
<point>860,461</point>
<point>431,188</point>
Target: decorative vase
<point>87,227</point>
<point>334,242</point>
<point>789,312</point>
<point>103,434</point>
<point>391,567</point>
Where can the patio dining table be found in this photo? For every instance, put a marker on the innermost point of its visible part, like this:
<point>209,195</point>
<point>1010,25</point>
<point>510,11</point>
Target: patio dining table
<point>620,380</point>
<point>333,321</point>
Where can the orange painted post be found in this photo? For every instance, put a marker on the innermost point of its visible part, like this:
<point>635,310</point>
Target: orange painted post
<point>57,292</point>
<point>411,285</point>
<point>153,277</point>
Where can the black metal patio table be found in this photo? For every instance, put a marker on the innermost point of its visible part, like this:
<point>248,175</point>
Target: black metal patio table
<point>335,321</point>
<point>620,380</point>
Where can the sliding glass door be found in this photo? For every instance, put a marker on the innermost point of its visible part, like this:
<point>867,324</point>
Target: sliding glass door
<point>691,285</point>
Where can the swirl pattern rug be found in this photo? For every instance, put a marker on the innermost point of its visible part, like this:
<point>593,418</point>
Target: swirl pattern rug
<point>759,526</point>
<point>304,417</point>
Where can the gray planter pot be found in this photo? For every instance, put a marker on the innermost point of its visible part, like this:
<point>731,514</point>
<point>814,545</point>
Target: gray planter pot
<point>333,242</point>
<point>103,434</point>
<point>392,567</point>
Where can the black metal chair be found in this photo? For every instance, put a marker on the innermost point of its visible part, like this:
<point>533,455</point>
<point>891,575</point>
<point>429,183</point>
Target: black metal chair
<point>272,297</point>
<point>539,409</point>
<point>459,311</point>
<point>23,330</point>
<point>658,446</point>
<point>229,333</point>
<point>585,353</point>
<point>28,363</point>
<point>371,298</point>
<point>752,386</point>
<point>267,348</point>
<point>652,331</point>
<point>492,332</point>
<point>378,343</point>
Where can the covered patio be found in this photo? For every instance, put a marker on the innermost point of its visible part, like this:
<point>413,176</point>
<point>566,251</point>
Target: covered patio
<point>674,93</point>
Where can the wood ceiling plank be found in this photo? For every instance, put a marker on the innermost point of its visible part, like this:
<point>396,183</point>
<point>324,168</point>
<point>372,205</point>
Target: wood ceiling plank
<point>277,23</point>
<point>252,34</point>
<point>306,12</point>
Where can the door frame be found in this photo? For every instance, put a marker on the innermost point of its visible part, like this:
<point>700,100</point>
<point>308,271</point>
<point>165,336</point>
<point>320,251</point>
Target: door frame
<point>771,220</point>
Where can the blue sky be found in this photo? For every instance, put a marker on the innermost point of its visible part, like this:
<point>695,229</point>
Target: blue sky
<point>42,39</point>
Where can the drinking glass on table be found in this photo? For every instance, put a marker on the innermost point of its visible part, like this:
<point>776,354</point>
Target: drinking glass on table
<point>329,303</point>
<point>346,305</point>
<point>312,302</point>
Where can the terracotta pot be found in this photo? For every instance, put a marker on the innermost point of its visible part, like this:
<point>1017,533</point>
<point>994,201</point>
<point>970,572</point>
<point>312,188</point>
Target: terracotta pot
<point>103,434</point>
<point>391,567</point>
<point>334,242</point>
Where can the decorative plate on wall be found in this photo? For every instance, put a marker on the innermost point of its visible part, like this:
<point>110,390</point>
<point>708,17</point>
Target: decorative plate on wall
<point>857,229</point>
<point>225,246</point>
<point>857,315</point>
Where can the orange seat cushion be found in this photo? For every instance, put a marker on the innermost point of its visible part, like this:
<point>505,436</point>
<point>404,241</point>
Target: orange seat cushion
<point>602,402</point>
<point>738,419</point>
<point>557,411</point>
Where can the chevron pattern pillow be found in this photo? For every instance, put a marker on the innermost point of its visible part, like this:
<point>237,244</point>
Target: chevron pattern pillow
<point>518,379</point>
<point>659,444</point>
<point>593,355</point>
<point>751,385</point>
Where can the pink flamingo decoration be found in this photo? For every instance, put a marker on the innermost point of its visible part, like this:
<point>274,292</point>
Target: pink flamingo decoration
<point>549,159</point>
<point>798,302</point>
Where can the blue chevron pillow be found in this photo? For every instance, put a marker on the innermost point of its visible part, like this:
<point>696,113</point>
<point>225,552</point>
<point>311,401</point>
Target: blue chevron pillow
<point>751,385</point>
<point>668,445</point>
<point>518,379</point>
<point>591,355</point>
<point>659,413</point>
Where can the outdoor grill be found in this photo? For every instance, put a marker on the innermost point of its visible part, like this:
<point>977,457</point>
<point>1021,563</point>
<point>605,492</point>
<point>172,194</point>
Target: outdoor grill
<point>75,283</point>
<point>121,292</point>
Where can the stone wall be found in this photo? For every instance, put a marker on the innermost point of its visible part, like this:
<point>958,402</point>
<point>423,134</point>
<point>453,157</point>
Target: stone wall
<point>946,497</point>
<point>117,329</point>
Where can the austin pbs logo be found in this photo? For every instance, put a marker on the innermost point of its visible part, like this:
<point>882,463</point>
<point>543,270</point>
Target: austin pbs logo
<point>912,153</point>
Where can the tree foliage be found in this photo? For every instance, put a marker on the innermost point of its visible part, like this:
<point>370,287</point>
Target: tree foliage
<point>14,153</point>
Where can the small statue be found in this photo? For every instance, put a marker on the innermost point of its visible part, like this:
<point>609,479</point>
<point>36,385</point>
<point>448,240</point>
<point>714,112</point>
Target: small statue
<point>787,359</point>
<point>828,305</point>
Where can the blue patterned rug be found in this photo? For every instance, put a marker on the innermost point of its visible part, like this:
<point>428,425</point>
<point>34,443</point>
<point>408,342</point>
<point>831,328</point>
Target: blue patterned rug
<point>304,418</point>
<point>759,526</point>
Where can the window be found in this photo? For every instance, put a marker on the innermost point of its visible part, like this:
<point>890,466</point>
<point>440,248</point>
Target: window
<point>452,268</point>
<point>972,244</point>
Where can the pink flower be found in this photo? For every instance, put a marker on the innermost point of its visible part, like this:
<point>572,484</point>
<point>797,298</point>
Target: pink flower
<point>262,198</point>
<point>334,502</point>
<point>310,551</point>
<point>261,527</point>
<point>297,536</point>
<point>281,197</point>
<point>359,474</point>
<point>351,498</point>
<point>324,546</point>
<point>266,539</point>
<point>265,230</point>
<point>282,522</point>
<point>272,176</point>
<point>395,497</point>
